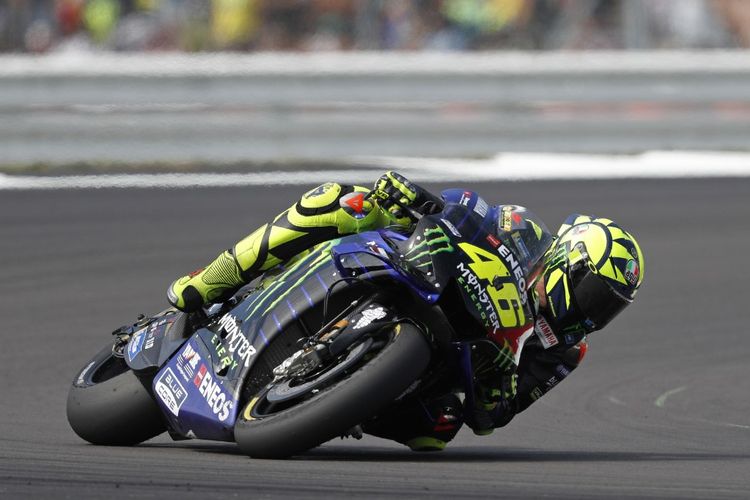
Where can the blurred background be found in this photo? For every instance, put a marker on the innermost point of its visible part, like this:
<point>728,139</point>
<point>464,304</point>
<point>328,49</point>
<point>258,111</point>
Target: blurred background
<point>584,98</point>
<point>207,82</point>
<point>40,26</point>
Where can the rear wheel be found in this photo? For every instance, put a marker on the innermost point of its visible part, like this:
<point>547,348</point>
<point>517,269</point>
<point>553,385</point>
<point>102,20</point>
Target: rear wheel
<point>109,405</point>
<point>286,419</point>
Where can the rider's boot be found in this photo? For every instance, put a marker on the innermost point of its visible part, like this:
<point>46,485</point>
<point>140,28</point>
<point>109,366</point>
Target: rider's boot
<point>421,425</point>
<point>232,269</point>
<point>210,284</point>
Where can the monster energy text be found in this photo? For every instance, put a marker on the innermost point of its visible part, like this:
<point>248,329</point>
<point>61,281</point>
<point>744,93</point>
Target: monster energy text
<point>512,261</point>
<point>235,342</point>
<point>474,288</point>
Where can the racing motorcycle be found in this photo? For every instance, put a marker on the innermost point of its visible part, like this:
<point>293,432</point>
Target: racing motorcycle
<point>310,351</point>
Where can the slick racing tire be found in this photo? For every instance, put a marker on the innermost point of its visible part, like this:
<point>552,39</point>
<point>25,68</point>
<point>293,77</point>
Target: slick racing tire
<point>339,407</point>
<point>109,405</point>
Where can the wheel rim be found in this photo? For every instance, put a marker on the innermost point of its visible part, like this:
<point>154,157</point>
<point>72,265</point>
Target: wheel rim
<point>263,406</point>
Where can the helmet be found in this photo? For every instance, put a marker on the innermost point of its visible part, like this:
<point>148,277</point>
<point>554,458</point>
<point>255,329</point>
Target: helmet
<point>592,273</point>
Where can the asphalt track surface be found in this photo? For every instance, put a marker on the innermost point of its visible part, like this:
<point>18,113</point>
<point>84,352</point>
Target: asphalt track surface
<point>658,409</point>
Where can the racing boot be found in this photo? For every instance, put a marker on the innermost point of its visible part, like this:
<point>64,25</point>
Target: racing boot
<point>228,272</point>
<point>420,425</point>
<point>204,286</point>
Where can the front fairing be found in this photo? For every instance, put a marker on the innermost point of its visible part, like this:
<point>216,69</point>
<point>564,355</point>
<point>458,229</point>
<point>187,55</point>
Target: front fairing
<point>199,388</point>
<point>493,269</point>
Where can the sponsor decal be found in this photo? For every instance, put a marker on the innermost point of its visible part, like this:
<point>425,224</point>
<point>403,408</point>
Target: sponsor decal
<point>562,370</point>
<point>136,345</point>
<point>506,221</point>
<point>187,360</point>
<point>355,201</point>
<point>451,227</point>
<point>220,403</point>
<point>170,391</point>
<point>152,332</point>
<point>512,263</point>
<point>481,207</point>
<point>545,333</point>
<point>551,382</point>
<point>536,394</point>
<point>509,216</point>
<point>368,316</point>
<point>235,343</point>
<point>435,241</point>
<point>465,198</point>
<point>81,377</point>
<point>479,296</point>
<point>632,271</point>
<point>515,270</point>
<point>489,269</point>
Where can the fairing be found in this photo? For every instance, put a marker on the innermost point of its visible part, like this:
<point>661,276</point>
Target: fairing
<point>202,386</point>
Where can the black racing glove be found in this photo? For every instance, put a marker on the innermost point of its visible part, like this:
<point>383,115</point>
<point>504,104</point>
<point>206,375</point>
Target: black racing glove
<point>495,384</point>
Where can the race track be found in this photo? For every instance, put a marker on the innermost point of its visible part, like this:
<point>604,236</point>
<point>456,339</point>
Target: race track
<point>660,408</point>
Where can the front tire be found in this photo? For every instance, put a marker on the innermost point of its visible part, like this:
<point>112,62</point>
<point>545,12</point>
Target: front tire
<point>337,408</point>
<point>109,405</point>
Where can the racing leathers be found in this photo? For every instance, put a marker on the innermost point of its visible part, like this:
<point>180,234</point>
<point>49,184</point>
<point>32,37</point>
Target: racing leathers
<point>332,210</point>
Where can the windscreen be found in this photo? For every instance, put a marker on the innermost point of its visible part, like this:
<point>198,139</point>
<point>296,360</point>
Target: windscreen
<point>526,234</point>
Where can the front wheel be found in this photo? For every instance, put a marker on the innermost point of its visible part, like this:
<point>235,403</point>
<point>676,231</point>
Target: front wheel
<point>109,405</point>
<point>386,373</point>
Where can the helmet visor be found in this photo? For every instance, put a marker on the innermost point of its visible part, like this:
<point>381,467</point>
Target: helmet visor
<point>597,301</point>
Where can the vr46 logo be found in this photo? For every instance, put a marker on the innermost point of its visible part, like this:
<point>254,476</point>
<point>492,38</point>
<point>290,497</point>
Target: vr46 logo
<point>500,285</point>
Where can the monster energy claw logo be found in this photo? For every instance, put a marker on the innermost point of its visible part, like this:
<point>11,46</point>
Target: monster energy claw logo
<point>435,241</point>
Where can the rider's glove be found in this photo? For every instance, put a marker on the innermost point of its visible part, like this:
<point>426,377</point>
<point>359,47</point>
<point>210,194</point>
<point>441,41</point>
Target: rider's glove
<point>489,359</point>
<point>393,189</point>
<point>495,387</point>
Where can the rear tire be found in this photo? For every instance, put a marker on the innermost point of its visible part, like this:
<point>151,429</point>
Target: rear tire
<point>109,405</point>
<point>337,408</point>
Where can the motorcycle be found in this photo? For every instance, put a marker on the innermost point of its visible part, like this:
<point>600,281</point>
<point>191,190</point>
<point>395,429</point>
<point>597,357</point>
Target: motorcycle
<point>309,351</point>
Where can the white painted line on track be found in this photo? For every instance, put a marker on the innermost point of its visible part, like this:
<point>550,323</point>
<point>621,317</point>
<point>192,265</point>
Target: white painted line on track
<point>737,426</point>
<point>504,167</point>
<point>615,401</point>
<point>543,166</point>
<point>174,180</point>
<point>720,423</point>
<point>661,400</point>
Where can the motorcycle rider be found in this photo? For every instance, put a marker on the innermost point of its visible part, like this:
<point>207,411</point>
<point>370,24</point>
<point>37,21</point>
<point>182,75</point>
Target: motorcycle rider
<point>590,274</point>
